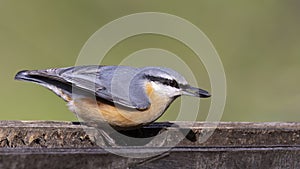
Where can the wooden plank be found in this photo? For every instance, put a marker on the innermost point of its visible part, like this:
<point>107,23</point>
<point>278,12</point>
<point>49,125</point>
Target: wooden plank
<point>67,134</point>
<point>27,144</point>
<point>176,158</point>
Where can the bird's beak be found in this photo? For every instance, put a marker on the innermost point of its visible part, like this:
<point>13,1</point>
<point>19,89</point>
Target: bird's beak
<point>193,91</point>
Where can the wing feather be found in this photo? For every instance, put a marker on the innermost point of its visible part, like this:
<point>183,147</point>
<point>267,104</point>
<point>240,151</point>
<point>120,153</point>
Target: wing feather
<point>112,83</point>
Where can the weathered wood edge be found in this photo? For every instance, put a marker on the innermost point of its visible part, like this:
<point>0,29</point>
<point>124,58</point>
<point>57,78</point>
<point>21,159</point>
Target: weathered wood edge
<point>246,158</point>
<point>183,124</point>
<point>47,144</point>
<point>50,134</point>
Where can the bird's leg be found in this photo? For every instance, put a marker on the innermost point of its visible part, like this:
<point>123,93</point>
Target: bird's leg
<point>106,138</point>
<point>101,135</point>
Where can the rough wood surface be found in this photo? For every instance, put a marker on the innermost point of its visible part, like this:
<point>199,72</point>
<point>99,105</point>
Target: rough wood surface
<point>26,144</point>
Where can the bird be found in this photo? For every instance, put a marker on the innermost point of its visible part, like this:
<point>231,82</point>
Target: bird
<point>122,96</point>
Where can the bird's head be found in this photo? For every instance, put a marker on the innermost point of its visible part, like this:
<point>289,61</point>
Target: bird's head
<point>170,83</point>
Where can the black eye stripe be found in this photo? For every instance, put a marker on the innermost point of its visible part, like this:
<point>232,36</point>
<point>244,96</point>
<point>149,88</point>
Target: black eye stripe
<point>164,81</point>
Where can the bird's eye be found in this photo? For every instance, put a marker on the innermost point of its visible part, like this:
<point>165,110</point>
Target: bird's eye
<point>173,83</point>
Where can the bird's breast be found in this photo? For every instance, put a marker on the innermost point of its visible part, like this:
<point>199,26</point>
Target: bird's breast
<point>92,110</point>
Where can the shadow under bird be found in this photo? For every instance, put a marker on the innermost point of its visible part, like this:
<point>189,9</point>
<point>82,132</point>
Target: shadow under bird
<point>122,96</point>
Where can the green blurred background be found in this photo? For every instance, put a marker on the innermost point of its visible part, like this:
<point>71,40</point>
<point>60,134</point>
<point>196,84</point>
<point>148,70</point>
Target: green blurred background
<point>258,42</point>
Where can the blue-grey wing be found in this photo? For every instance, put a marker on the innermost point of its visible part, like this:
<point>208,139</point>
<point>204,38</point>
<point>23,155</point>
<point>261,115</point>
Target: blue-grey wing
<point>116,84</point>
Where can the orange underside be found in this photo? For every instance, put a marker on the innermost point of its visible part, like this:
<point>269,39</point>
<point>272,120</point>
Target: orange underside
<point>90,109</point>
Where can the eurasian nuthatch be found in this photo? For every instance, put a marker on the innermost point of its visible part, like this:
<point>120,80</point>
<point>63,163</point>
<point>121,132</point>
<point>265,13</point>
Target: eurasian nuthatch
<point>120,95</point>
